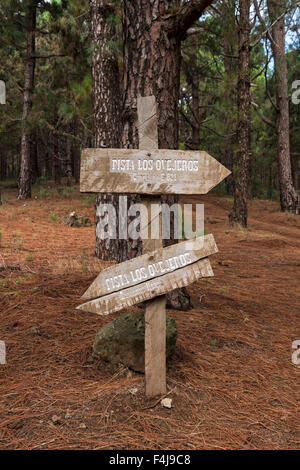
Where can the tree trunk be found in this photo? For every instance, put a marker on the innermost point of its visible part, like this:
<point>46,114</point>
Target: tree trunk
<point>151,67</point>
<point>196,114</point>
<point>56,160</point>
<point>25,165</point>
<point>69,160</point>
<point>230,82</point>
<point>238,214</point>
<point>106,97</point>
<point>289,199</point>
<point>76,152</point>
<point>34,157</point>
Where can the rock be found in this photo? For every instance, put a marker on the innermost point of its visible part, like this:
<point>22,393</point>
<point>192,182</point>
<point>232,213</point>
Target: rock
<point>34,330</point>
<point>82,426</point>
<point>74,220</point>
<point>123,341</point>
<point>166,402</point>
<point>55,419</point>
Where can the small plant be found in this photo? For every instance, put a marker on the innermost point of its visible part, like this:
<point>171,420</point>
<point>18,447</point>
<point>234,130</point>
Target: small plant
<point>18,240</point>
<point>67,192</point>
<point>44,193</point>
<point>12,216</point>
<point>41,180</point>
<point>214,342</point>
<point>84,261</point>
<point>29,257</point>
<point>90,199</point>
<point>53,216</point>
<point>15,293</point>
<point>222,291</point>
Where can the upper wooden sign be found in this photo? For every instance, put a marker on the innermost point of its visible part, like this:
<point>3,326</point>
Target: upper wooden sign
<point>149,171</point>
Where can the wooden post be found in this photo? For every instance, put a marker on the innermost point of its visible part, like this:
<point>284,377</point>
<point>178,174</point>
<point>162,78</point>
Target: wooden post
<point>155,315</point>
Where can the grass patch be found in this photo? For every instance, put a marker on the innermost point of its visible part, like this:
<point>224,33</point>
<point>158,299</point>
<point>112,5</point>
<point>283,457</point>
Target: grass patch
<point>18,240</point>
<point>43,193</point>
<point>53,216</point>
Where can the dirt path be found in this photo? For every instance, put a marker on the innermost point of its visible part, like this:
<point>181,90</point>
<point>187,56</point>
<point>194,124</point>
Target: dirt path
<point>233,381</point>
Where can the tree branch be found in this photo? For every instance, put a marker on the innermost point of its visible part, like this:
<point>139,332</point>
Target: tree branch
<point>217,133</point>
<point>178,24</point>
<point>193,31</point>
<point>261,115</point>
<point>262,21</point>
<point>47,56</point>
<point>274,22</point>
<point>187,118</point>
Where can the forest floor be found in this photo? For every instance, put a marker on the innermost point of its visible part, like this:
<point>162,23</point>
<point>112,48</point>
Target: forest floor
<point>232,380</point>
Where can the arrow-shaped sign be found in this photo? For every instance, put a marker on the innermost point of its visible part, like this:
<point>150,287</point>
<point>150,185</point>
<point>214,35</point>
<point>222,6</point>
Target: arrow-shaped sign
<point>149,172</point>
<point>151,265</point>
<point>150,275</point>
<point>148,290</point>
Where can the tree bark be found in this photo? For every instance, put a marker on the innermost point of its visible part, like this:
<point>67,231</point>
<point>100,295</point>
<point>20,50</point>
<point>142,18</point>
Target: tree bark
<point>69,160</point>
<point>152,55</point>
<point>230,82</point>
<point>56,160</point>
<point>196,114</point>
<point>34,157</point>
<point>76,152</point>
<point>107,102</point>
<point>289,199</point>
<point>25,165</point>
<point>238,215</point>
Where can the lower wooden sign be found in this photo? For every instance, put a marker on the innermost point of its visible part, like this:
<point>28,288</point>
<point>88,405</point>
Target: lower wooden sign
<point>151,265</point>
<point>148,289</point>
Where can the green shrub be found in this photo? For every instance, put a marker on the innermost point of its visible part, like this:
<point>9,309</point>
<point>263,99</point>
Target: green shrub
<point>67,192</point>
<point>53,216</point>
<point>44,193</point>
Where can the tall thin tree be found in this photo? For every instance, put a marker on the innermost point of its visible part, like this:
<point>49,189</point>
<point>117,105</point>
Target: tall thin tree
<point>289,199</point>
<point>152,35</point>
<point>106,99</point>
<point>25,164</point>
<point>239,213</point>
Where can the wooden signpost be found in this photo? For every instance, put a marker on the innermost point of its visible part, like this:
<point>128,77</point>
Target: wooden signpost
<point>150,172</point>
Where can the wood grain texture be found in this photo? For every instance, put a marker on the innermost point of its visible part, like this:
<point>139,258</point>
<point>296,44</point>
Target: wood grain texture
<point>147,290</point>
<point>155,311</point>
<point>2,353</point>
<point>149,171</point>
<point>151,265</point>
